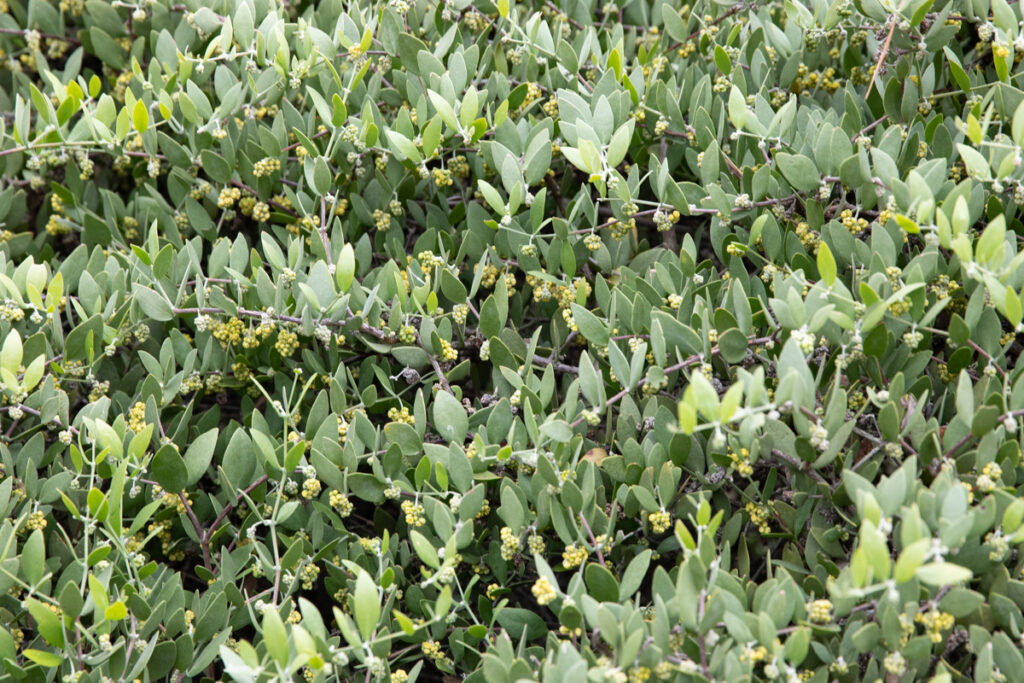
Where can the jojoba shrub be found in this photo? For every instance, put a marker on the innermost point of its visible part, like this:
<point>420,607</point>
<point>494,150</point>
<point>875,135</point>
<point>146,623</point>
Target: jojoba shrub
<point>560,340</point>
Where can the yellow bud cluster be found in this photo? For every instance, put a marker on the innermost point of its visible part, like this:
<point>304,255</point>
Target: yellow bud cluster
<point>574,555</point>
<point>543,591</point>
<point>432,649</point>
<point>341,503</point>
<point>442,177</point>
<point>509,543</point>
<point>942,287</point>
<point>381,219</point>
<point>35,521</point>
<point>403,415</point>
<point>808,237</point>
<point>229,332</point>
<point>287,342</point>
<point>137,417</point>
<point>490,275</point>
<point>414,514</point>
<point>854,225</point>
<point>266,166</point>
<point>261,212</point>
<point>246,204</point>
<point>741,461</point>
<point>660,521</point>
<point>308,576</point>
<point>448,352</point>
<point>228,196</point>
<point>759,516</point>
<point>311,489</point>
<point>820,611</point>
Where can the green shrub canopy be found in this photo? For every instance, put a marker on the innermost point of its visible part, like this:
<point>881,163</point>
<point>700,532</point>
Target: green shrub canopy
<point>391,339</point>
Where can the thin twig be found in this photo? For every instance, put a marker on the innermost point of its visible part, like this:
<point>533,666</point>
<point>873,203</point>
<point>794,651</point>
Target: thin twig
<point>323,231</point>
<point>801,466</point>
<point>593,539</point>
<point>200,532</point>
<point>33,411</point>
<point>881,55</point>
<point>207,534</point>
<point>48,36</point>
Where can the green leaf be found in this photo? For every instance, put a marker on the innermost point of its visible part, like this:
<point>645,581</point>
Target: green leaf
<point>404,622</point>
<point>557,430</point>
<point>452,287</point>
<point>43,658</point>
<point>444,109</point>
<point>11,353</point>
<point>490,319</point>
<point>519,622</point>
<point>275,637</point>
<point>511,510</point>
<point>826,264</point>
<point>701,395</point>
<point>674,24</point>
<point>601,583</point>
<point>634,575</point>
<point>450,418</point>
<point>47,622</point>
<point>974,132</point>
<point>33,558</point>
<point>424,549</point>
<point>404,146</point>
<point>153,305</point>
<point>989,246</point>
<point>619,144</point>
<point>215,166</point>
<point>590,326</point>
<point>961,602</point>
<point>732,344</point>
<point>493,197</point>
<point>169,470</point>
<point>943,574</point>
<point>797,645</point>
<point>346,269</point>
<point>115,612</point>
<point>340,112</point>
<point>321,176</point>
<point>367,605</point>
<point>431,137</point>
<point>737,108</point>
<point>910,560</point>
<point>140,116</point>
<point>799,171</point>
<point>722,60</point>
<point>198,456</point>
<point>687,416</point>
<point>977,164</point>
<point>35,370</point>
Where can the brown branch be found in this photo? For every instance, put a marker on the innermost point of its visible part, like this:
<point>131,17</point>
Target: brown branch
<point>200,532</point>
<point>881,55</point>
<point>593,539</point>
<point>364,328</point>
<point>672,368</point>
<point>278,205</point>
<point>801,466</point>
<point>207,535</point>
<point>48,36</point>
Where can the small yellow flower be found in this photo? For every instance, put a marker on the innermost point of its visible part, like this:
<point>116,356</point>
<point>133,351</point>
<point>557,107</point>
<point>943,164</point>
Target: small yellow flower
<point>660,521</point>
<point>543,591</point>
<point>574,555</point>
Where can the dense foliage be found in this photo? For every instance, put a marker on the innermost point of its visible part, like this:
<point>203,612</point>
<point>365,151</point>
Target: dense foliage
<point>397,339</point>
